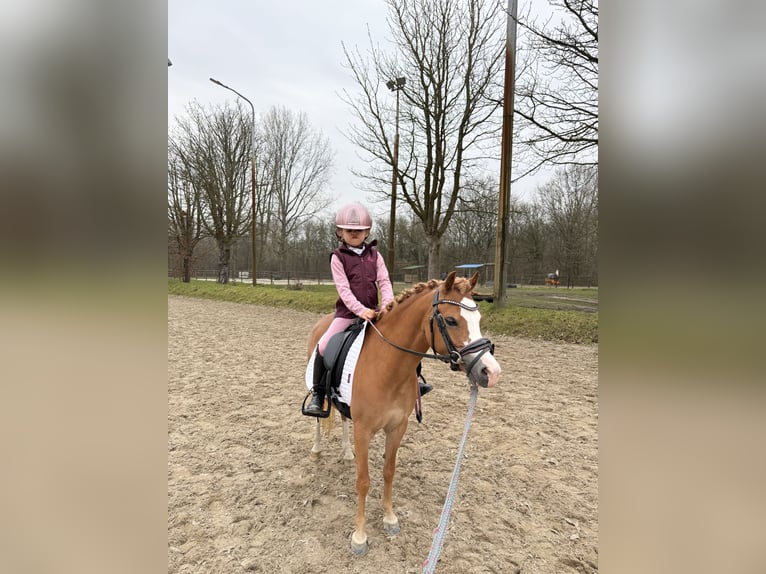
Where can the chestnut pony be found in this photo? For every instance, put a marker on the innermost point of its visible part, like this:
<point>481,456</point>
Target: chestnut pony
<point>441,315</point>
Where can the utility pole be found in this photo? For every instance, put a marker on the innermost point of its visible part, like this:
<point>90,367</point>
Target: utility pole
<point>504,199</point>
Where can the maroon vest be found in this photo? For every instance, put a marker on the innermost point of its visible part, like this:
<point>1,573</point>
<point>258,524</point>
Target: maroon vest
<point>362,273</point>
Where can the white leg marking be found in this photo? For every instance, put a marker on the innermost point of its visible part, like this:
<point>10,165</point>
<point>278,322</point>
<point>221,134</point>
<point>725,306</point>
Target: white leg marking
<point>317,448</point>
<point>346,452</point>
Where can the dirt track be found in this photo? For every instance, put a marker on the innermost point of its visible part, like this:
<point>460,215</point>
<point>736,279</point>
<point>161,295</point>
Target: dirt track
<point>244,496</point>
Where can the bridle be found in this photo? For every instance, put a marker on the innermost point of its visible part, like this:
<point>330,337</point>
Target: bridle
<point>455,356</point>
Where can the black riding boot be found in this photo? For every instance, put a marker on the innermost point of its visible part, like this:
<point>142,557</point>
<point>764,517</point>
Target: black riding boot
<point>318,389</point>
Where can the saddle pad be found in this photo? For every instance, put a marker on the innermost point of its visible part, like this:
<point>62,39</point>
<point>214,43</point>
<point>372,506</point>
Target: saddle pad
<point>347,377</point>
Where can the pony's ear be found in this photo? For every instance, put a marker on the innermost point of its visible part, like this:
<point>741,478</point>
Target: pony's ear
<point>449,282</point>
<point>474,280</point>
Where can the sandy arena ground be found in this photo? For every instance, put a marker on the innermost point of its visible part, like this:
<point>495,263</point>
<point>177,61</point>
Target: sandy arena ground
<point>244,495</point>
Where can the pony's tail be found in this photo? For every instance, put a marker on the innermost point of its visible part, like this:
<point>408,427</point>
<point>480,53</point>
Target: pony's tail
<point>328,423</point>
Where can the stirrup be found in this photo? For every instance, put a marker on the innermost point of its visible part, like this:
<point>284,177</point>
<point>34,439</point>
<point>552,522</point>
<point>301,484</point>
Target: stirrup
<point>425,388</point>
<point>323,414</point>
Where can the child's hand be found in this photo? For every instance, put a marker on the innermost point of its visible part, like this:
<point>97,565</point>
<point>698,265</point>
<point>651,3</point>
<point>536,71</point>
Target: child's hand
<point>369,315</point>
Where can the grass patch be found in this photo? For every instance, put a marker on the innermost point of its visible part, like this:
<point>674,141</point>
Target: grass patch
<point>565,315</point>
<point>316,298</point>
<point>537,323</point>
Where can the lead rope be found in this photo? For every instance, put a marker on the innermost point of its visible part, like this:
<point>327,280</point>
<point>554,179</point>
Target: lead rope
<point>440,533</point>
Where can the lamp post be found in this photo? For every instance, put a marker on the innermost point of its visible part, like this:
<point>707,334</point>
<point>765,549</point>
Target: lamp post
<point>394,86</point>
<point>252,173</point>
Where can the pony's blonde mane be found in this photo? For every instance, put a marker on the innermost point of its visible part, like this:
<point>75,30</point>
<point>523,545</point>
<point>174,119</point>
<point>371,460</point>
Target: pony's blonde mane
<point>461,285</point>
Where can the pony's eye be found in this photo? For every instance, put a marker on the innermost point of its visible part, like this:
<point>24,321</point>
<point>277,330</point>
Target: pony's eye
<point>451,321</point>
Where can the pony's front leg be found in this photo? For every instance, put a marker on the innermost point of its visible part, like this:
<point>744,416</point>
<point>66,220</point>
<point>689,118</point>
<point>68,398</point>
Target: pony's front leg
<point>317,448</point>
<point>393,440</point>
<point>361,444</point>
<point>346,451</point>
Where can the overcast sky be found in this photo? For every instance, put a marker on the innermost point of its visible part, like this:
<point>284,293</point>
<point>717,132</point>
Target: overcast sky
<point>284,53</point>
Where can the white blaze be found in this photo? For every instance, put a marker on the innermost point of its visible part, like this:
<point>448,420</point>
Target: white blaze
<point>472,319</point>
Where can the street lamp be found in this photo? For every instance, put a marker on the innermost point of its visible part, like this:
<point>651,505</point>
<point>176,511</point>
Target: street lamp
<point>394,86</point>
<point>252,174</point>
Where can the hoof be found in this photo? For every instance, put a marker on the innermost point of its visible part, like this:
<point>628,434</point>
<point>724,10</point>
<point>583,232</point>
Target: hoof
<point>391,528</point>
<point>359,548</point>
<point>314,456</point>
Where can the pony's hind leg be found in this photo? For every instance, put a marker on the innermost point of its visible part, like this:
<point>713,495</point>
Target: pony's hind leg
<point>316,449</point>
<point>346,451</point>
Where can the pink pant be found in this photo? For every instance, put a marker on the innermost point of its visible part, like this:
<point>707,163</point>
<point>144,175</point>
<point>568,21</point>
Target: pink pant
<point>338,325</point>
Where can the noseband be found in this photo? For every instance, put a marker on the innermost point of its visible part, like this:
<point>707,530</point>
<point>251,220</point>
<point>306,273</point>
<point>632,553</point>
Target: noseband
<point>455,355</point>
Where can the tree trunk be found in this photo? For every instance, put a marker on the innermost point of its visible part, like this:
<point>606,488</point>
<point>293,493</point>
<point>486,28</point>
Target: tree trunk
<point>224,256</point>
<point>434,245</point>
<point>186,269</point>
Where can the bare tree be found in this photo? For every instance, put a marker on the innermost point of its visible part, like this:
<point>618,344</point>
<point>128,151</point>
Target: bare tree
<point>184,215</point>
<point>570,204</point>
<point>312,244</point>
<point>451,53</point>
<point>529,238</point>
<point>557,95</point>
<point>410,240</point>
<point>471,236</point>
<point>297,164</point>
<point>214,148</point>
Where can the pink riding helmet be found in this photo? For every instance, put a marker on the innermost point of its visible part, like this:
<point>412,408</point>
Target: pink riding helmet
<point>353,216</point>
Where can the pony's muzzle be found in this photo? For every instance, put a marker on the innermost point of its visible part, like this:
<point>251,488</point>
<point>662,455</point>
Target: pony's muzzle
<point>482,368</point>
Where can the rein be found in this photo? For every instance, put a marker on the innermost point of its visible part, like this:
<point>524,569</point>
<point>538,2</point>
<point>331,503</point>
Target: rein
<point>444,358</point>
<point>455,356</point>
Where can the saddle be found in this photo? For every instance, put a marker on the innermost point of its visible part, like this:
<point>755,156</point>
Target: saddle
<point>335,355</point>
<point>334,359</point>
<point>337,349</point>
